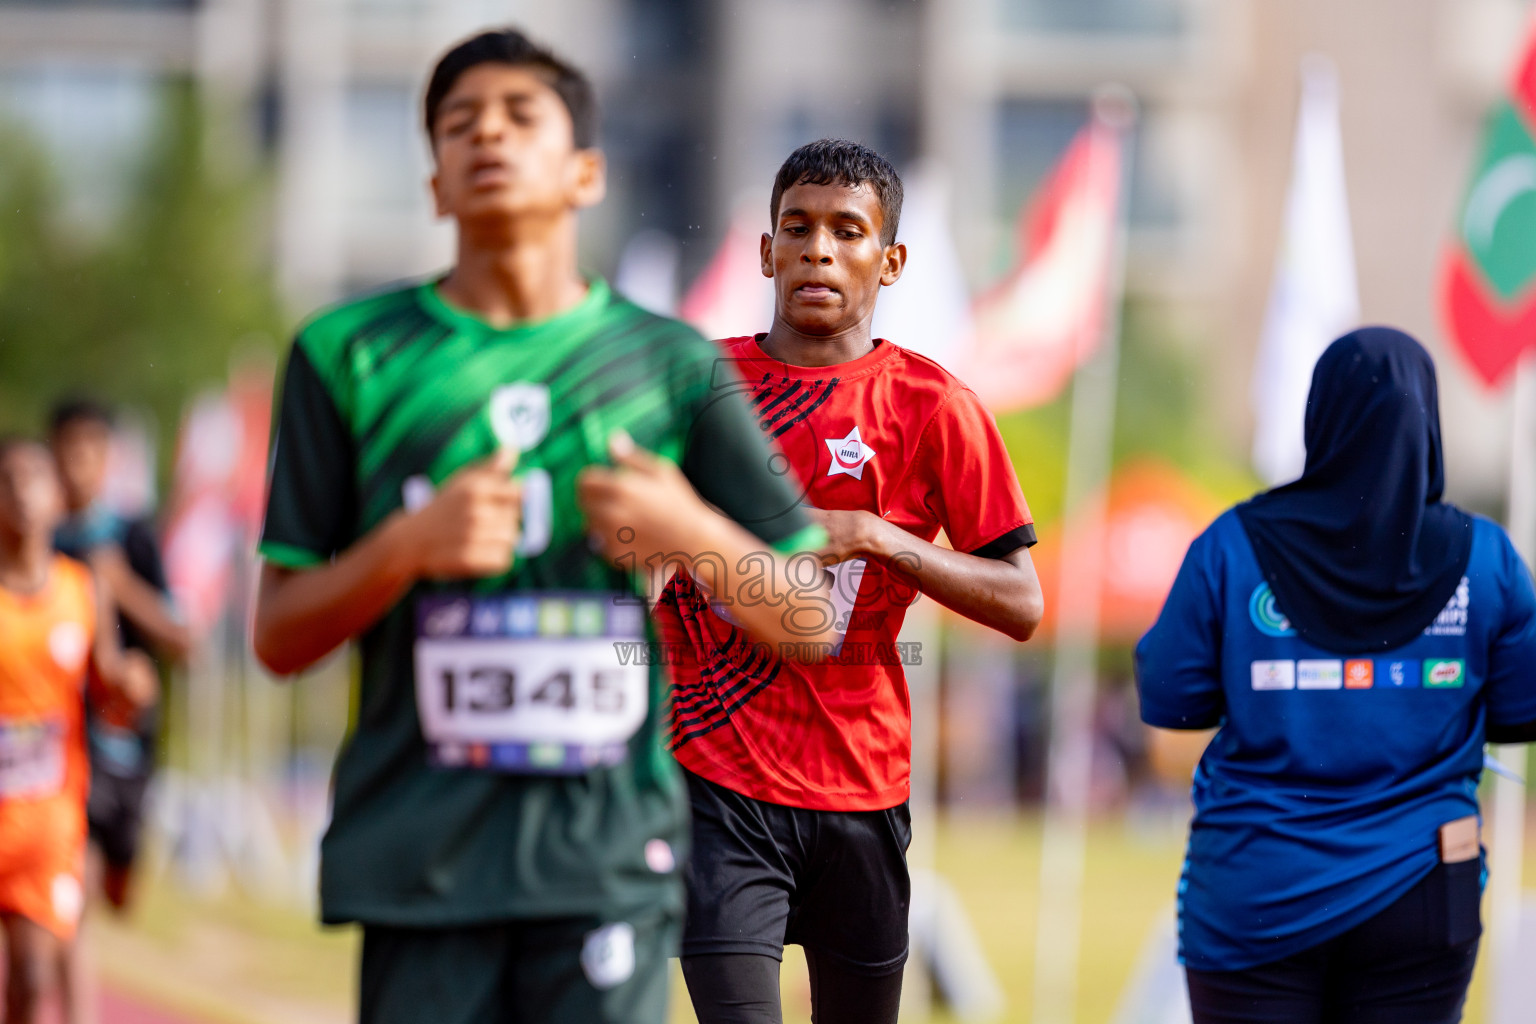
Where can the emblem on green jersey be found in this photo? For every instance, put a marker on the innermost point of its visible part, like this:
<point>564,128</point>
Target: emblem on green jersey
<point>519,414</point>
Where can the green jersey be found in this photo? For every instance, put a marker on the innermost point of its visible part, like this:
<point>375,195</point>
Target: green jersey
<point>504,760</point>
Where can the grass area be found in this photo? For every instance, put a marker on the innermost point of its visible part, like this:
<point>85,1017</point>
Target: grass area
<point>233,961</point>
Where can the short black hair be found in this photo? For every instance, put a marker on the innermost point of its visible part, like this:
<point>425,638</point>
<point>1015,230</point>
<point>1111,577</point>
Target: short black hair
<point>79,409</point>
<point>509,46</point>
<point>840,162</point>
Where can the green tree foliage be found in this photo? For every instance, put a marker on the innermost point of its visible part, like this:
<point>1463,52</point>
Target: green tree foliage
<point>149,314</point>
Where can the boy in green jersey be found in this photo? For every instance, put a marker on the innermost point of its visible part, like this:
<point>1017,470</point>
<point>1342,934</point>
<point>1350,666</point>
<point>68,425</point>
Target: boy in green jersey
<point>457,462</point>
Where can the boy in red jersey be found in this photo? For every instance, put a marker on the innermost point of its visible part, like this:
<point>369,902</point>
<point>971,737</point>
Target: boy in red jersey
<point>54,630</point>
<point>799,774</point>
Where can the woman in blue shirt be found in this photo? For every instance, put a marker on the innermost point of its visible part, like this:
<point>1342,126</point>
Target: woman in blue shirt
<point>1356,640</point>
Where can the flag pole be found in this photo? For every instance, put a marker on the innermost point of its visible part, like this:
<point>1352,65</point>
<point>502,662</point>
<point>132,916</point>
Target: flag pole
<point>1505,890</point>
<point>1090,444</point>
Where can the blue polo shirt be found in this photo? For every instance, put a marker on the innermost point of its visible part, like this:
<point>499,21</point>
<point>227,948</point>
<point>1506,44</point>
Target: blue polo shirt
<point>1318,801</point>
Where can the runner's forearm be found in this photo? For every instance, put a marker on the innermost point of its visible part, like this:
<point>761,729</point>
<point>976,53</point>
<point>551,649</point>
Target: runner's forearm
<point>804,616</point>
<point>1003,593</point>
<point>302,615</point>
<point>106,644</point>
<point>141,604</point>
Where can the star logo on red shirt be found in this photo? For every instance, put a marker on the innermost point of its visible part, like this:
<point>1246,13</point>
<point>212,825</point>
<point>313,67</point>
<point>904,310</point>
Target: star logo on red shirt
<point>849,455</point>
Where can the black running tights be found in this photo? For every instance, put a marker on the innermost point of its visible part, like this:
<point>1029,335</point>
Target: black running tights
<point>743,988</point>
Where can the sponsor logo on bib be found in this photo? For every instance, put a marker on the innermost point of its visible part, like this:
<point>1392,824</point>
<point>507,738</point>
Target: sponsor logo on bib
<point>1266,615</point>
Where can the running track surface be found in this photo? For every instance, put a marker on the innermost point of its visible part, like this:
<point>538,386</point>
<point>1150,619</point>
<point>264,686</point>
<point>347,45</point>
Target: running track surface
<point>117,1008</point>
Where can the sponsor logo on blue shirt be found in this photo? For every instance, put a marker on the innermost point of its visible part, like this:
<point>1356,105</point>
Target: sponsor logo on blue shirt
<point>1273,675</point>
<point>1398,675</point>
<point>1444,673</point>
<point>1266,615</point>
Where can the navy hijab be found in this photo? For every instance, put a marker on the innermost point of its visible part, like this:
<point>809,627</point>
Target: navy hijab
<point>1360,551</point>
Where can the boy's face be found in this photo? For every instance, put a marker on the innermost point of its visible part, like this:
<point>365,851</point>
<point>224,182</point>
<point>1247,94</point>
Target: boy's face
<point>826,258</point>
<point>31,502</point>
<point>81,447</point>
<point>504,148</point>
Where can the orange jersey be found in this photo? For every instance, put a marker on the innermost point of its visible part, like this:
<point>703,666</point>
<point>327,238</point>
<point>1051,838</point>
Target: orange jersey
<point>45,655</point>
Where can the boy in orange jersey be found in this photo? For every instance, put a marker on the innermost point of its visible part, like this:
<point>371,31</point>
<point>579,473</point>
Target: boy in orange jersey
<point>50,646</point>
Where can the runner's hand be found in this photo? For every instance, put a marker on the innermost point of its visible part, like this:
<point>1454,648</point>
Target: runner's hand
<point>471,526</point>
<point>642,504</point>
<point>851,533</point>
<point>132,686</point>
<point>139,683</point>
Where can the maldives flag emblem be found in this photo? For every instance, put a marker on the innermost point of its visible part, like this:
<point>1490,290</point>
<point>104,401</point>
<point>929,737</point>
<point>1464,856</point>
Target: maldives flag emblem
<point>1488,286</point>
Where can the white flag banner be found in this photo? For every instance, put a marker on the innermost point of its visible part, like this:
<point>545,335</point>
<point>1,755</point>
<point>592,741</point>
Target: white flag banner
<point>929,309</point>
<point>1314,298</point>
<point>647,272</point>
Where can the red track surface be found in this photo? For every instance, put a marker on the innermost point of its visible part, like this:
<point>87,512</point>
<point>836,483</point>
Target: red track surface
<point>117,1008</point>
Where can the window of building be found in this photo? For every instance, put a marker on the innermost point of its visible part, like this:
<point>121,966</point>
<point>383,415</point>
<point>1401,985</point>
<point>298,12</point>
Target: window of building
<point>1106,16</point>
<point>90,122</point>
<point>387,166</point>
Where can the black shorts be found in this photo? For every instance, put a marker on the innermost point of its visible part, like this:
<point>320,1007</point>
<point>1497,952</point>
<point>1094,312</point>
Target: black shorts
<point>574,971</point>
<point>763,875</point>
<point>1410,964</point>
<point>115,814</point>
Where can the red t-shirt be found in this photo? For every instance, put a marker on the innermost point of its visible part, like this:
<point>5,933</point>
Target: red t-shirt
<point>892,433</point>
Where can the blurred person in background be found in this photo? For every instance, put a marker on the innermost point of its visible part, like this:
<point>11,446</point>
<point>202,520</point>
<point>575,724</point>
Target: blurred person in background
<point>1357,641</point>
<point>125,553</point>
<point>799,775</point>
<point>507,826</point>
<point>57,632</point>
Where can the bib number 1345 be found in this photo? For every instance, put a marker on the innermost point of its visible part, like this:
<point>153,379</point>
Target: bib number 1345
<point>493,689</point>
<point>528,683</point>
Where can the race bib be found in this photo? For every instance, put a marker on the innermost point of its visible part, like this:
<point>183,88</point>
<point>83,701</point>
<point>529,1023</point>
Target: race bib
<point>31,758</point>
<point>540,683</point>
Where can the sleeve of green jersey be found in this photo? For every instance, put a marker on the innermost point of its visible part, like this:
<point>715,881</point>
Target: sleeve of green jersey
<point>739,471</point>
<point>311,502</point>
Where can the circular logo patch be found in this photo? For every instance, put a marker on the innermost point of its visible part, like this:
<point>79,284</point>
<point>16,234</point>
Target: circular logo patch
<point>1266,615</point>
<point>659,857</point>
<point>69,645</point>
<point>608,955</point>
<point>68,898</point>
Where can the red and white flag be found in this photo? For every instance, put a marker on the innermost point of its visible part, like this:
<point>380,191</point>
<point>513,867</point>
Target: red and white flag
<point>218,493</point>
<point>1045,318</point>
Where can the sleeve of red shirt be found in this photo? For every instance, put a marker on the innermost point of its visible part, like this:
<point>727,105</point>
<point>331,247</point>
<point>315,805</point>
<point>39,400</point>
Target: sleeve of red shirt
<point>971,487</point>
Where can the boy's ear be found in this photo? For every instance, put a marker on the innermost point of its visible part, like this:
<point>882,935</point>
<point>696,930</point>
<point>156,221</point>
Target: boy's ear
<point>894,263</point>
<point>589,178</point>
<point>765,252</point>
<point>439,206</point>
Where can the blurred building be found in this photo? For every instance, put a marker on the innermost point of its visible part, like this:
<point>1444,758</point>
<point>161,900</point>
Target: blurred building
<point>703,98</point>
